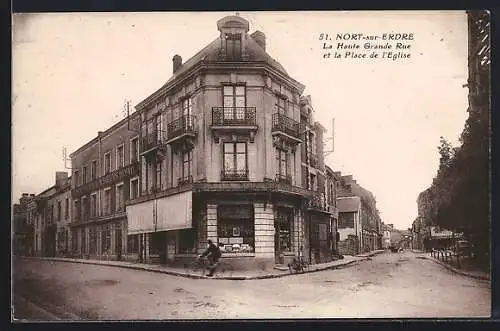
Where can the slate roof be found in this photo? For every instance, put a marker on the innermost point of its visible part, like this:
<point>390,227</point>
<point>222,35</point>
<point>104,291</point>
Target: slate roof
<point>348,204</point>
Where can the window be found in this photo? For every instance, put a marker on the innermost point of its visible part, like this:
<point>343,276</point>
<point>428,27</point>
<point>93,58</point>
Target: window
<point>282,164</point>
<point>77,178</point>
<point>51,212</point>
<point>120,199</point>
<point>283,226</point>
<point>84,174</point>
<point>93,169</point>
<point>187,164</point>
<point>312,182</point>
<point>187,111</point>
<point>233,46</point>
<point>280,106</point>
<point>132,243</point>
<point>93,241</point>
<point>59,211</point>
<point>158,175</point>
<point>107,163</point>
<point>235,160</point>
<point>93,205</point>
<point>66,209</point>
<point>159,128</point>
<point>77,211</point>
<point>235,228</point>
<point>346,220</point>
<point>134,188</point>
<point>187,241</point>
<point>134,150</point>
<point>107,201</point>
<point>120,157</point>
<point>233,96</point>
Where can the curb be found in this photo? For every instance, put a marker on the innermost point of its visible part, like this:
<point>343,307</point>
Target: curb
<point>179,274</point>
<point>457,271</point>
<point>371,253</point>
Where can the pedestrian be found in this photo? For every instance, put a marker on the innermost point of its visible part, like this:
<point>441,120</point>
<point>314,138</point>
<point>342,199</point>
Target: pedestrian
<point>213,255</point>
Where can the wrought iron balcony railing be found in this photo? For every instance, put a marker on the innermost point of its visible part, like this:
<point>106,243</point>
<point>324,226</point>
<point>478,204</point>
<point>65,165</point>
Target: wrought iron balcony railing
<point>286,124</point>
<point>184,180</point>
<point>152,139</point>
<point>180,126</point>
<point>318,201</point>
<point>233,174</point>
<point>284,178</point>
<point>233,116</point>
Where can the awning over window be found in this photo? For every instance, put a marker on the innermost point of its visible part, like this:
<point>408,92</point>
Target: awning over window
<point>174,212</point>
<point>169,213</point>
<point>140,217</point>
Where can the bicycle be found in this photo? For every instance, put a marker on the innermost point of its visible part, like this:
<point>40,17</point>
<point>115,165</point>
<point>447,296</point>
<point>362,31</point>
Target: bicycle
<point>202,264</point>
<point>297,265</point>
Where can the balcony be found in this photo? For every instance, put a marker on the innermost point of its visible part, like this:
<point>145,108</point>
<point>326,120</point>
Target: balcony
<point>152,141</point>
<point>240,120</point>
<point>318,202</point>
<point>286,128</point>
<point>282,178</point>
<point>184,180</point>
<point>181,130</point>
<point>234,175</point>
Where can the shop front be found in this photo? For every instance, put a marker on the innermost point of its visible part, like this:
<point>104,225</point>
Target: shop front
<point>320,237</point>
<point>160,230</point>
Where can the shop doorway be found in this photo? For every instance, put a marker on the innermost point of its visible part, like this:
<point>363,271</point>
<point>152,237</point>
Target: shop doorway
<point>320,240</point>
<point>282,234</point>
<point>118,243</point>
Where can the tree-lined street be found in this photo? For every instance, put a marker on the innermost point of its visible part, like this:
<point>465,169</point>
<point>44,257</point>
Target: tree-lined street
<point>392,285</point>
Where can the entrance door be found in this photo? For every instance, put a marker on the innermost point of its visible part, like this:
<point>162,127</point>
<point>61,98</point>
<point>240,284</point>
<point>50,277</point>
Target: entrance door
<point>282,234</point>
<point>320,242</point>
<point>118,243</point>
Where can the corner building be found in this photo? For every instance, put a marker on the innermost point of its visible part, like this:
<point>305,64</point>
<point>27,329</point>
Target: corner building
<point>229,151</point>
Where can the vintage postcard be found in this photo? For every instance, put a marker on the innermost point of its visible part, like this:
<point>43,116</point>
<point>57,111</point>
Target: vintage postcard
<point>250,165</point>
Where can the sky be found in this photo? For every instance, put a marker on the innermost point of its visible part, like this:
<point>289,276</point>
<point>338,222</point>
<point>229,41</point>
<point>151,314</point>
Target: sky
<point>72,73</point>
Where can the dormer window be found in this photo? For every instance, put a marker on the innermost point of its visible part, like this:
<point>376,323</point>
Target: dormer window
<point>233,46</point>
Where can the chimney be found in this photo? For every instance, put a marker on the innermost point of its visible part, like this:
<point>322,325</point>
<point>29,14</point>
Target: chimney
<point>61,178</point>
<point>260,39</point>
<point>177,60</point>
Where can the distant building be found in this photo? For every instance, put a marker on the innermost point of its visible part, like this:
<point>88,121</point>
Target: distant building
<point>22,226</point>
<point>48,212</point>
<point>369,236</point>
<point>106,174</point>
<point>349,225</point>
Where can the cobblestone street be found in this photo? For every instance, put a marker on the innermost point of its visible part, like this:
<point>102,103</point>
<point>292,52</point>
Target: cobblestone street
<point>391,285</point>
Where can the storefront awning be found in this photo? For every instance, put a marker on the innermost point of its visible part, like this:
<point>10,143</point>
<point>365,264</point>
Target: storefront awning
<point>140,217</point>
<point>174,212</point>
<point>168,213</point>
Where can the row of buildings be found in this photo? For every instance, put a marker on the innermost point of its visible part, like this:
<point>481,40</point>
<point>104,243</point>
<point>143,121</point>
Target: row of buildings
<point>228,150</point>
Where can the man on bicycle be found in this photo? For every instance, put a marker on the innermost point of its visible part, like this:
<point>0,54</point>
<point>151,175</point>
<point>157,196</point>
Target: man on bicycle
<point>213,255</point>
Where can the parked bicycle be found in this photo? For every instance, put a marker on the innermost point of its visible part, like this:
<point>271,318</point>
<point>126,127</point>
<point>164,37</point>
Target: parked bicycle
<point>202,266</point>
<point>298,265</point>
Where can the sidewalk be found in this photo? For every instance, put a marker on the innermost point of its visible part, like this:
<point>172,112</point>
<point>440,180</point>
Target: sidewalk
<point>236,275</point>
<point>474,274</point>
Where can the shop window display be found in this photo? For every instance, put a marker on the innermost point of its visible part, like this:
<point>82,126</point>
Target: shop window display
<point>235,229</point>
